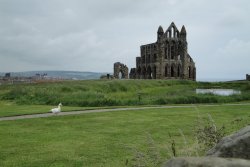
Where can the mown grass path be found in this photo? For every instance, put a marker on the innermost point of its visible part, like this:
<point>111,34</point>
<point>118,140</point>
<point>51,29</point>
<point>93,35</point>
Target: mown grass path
<point>107,110</point>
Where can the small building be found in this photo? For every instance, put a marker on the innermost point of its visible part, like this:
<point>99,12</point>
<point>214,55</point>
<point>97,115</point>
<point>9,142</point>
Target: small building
<point>247,77</point>
<point>7,75</point>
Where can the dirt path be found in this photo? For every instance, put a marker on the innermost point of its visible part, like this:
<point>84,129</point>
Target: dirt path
<point>105,110</point>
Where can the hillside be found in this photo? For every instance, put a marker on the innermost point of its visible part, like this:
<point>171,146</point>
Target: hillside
<point>75,75</point>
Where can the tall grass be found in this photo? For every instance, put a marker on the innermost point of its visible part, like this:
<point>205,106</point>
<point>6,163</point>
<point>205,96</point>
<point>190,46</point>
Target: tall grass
<point>205,134</point>
<point>120,92</point>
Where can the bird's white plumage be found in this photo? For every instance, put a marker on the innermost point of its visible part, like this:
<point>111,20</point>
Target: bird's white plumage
<point>56,110</point>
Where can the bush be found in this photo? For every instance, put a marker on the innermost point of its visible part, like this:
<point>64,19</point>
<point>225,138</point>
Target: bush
<point>15,93</point>
<point>208,134</point>
<point>66,89</point>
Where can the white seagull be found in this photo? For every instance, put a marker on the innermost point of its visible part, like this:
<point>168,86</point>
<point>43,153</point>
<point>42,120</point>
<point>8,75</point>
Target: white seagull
<point>56,110</point>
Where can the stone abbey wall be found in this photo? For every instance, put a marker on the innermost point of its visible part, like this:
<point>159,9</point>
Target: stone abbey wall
<point>167,58</point>
<point>121,69</point>
<point>247,77</point>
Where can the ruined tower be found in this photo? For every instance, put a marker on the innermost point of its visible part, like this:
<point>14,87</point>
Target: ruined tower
<point>122,69</point>
<point>167,58</point>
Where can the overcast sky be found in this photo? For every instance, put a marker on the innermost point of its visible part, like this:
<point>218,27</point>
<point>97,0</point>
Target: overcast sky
<point>90,35</point>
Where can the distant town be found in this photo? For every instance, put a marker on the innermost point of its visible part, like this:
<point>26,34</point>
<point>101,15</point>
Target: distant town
<point>8,79</point>
<point>45,76</point>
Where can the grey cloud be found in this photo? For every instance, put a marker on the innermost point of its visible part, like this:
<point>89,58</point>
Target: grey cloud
<point>90,35</point>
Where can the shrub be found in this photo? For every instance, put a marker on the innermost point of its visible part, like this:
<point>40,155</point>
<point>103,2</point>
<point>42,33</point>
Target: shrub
<point>207,133</point>
<point>66,89</point>
<point>15,93</point>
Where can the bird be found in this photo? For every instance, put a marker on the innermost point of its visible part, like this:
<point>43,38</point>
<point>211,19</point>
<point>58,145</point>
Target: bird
<point>56,110</point>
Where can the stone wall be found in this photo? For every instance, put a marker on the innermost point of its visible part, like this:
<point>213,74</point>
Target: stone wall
<point>167,58</point>
<point>120,69</point>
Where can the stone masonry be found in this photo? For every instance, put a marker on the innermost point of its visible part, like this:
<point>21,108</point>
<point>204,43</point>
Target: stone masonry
<point>167,58</point>
<point>248,77</point>
<point>231,151</point>
<point>122,69</point>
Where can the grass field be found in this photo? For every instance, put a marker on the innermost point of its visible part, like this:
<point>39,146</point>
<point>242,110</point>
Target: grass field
<point>111,138</point>
<point>8,108</point>
<point>98,93</point>
<point>118,138</point>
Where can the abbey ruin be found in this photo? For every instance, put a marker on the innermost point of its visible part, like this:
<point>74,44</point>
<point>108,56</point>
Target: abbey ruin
<point>167,58</point>
<point>121,69</point>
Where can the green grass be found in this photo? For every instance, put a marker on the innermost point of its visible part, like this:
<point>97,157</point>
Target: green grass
<point>99,93</point>
<point>8,108</point>
<point>107,139</point>
<point>111,138</point>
